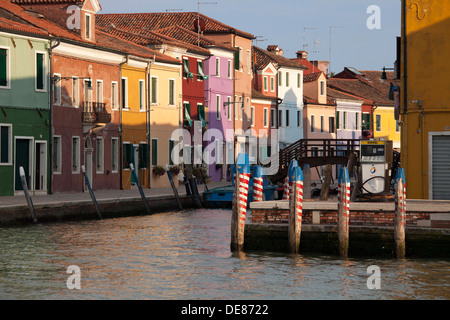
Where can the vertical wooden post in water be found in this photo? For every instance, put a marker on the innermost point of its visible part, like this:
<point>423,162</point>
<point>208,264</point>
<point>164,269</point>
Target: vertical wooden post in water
<point>240,196</point>
<point>400,213</point>
<point>326,182</point>
<point>174,189</point>
<point>306,181</point>
<point>343,211</point>
<point>23,179</point>
<point>91,192</point>
<point>296,210</point>
<point>144,199</point>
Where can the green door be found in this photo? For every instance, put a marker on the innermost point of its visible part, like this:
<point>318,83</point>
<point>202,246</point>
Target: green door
<point>22,160</point>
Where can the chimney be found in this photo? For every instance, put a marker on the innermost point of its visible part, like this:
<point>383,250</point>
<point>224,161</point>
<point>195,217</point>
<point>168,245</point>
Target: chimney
<point>275,49</point>
<point>302,55</point>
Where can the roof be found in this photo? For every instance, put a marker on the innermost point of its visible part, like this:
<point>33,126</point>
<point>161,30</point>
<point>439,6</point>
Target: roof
<point>309,100</point>
<point>160,20</point>
<point>364,83</point>
<point>47,1</point>
<point>310,77</point>
<point>333,95</point>
<point>263,57</point>
<point>14,26</point>
<point>309,67</point>
<point>258,95</point>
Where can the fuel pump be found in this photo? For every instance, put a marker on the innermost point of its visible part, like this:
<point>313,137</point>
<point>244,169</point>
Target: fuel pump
<point>376,161</point>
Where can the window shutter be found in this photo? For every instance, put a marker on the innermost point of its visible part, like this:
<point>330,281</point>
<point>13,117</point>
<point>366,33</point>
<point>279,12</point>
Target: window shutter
<point>154,152</point>
<point>187,115</point>
<point>237,58</point>
<point>40,71</point>
<point>4,143</point>
<point>3,67</point>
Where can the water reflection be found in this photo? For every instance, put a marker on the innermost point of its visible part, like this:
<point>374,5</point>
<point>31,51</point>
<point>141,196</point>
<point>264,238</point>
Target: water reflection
<point>187,256</point>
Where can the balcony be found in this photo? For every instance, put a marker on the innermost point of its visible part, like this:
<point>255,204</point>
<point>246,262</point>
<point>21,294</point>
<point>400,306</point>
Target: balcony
<point>95,112</point>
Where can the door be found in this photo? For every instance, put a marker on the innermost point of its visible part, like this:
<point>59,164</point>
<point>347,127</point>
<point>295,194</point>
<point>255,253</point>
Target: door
<point>40,175</point>
<point>440,167</point>
<point>22,159</point>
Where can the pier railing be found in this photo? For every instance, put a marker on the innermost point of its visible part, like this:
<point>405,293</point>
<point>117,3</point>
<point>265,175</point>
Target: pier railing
<point>95,112</point>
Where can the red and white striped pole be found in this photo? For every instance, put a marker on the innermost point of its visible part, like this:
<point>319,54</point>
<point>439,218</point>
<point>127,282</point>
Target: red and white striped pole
<point>296,210</point>
<point>400,213</point>
<point>240,196</point>
<point>286,191</point>
<point>258,182</point>
<point>343,211</point>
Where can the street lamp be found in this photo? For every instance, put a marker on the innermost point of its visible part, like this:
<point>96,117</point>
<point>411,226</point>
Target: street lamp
<point>57,79</point>
<point>383,74</point>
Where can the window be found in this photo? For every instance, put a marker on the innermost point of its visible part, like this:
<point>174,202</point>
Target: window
<point>99,91</point>
<point>154,152</point>
<point>265,119</point>
<point>248,106</point>
<point>280,78</point>
<point>229,108</point>
<point>154,90</point>
<point>357,121</point>
<point>344,120</point>
<point>187,114</point>
<point>299,118</point>
<point>171,147</point>
<point>56,156</point>
<point>124,93</point>
<point>217,107</point>
<point>128,155</point>
<point>88,26</point>
<point>4,68</point>
<point>241,56</point>
<point>171,92</point>
<point>75,154</point>
<point>378,122</point>
<point>75,92</point>
<point>5,144</point>
<point>241,109</point>
<point>322,88</point>
<point>229,69</point>
<point>114,155</point>
<point>142,95</point>
<point>186,72</point>
<point>272,84</point>
<point>114,96</point>
<point>217,67</point>
<point>57,89</point>
<point>99,155</point>
<point>249,62</point>
<point>273,123</point>
<point>280,118</point>
<point>143,156</point>
<point>338,120</point>
<point>237,58</point>
<point>265,84</point>
<point>322,124</point>
<point>287,118</point>
<point>331,124</point>
<point>200,74</point>
<point>299,80</point>
<point>236,114</point>
<point>366,121</point>
<point>40,72</point>
<point>252,116</point>
<point>287,79</point>
<point>313,124</point>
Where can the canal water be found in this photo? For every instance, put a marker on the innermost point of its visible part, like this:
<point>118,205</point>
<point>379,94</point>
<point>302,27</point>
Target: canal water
<point>186,256</point>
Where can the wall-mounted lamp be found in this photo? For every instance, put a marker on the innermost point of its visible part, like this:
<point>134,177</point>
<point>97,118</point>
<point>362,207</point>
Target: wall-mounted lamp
<point>384,75</point>
<point>89,80</point>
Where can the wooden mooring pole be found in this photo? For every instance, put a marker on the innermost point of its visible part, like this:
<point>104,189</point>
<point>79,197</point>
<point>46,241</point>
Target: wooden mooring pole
<point>174,189</point>
<point>240,196</point>
<point>400,213</point>
<point>91,192</point>
<point>343,211</point>
<point>136,178</point>
<point>295,210</point>
<point>23,179</point>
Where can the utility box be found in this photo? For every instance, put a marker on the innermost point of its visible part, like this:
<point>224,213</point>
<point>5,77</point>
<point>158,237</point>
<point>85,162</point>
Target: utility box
<point>376,158</point>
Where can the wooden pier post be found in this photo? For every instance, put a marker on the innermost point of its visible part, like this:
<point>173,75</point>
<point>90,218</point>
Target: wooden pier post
<point>400,213</point>
<point>240,196</point>
<point>144,199</point>
<point>23,179</point>
<point>174,189</point>
<point>306,181</point>
<point>296,210</point>
<point>343,211</point>
<point>324,192</point>
<point>91,192</point>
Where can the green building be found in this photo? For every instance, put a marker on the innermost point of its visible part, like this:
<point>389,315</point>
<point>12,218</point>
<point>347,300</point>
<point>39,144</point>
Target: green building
<point>24,109</point>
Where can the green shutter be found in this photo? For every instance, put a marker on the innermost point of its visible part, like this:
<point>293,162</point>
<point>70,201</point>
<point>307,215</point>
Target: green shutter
<point>338,113</point>
<point>171,92</point>
<point>4,143</point>
<point>154,152</point>
<point>3,67</point>
<point>143,156</point>
<point>187,115</point>
<point>39,71</point>
<point>201,115</point>
<point>128,155</point>
<point>237,59</point>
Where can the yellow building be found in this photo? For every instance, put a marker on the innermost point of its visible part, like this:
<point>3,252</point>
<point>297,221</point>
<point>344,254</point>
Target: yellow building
<point>425,98</point>
<point>385,126</point>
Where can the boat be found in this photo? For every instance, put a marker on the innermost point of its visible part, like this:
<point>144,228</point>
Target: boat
<point>223,196</point>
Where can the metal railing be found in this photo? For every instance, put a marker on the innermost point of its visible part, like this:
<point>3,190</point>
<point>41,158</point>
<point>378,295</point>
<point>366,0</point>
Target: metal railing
<point>95,112</point>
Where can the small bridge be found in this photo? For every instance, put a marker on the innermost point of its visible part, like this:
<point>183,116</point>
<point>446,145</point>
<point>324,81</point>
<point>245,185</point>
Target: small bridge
<point>315,152</point>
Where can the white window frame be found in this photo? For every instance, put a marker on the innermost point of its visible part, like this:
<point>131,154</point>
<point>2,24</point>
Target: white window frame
<point>218,115</point>
<point>322,124</point>
<point>174,91</point>
<point>312,121</point>
<point>10,144</point>
<point>90,26</point>
<point>299,118</point>
<point>100,155</point>
<point>217,67</point>
<point>115,156</point>
<point>265,83</point>
<point>77,156</point>
<point>229,108</point>
<point>230,70</point>
<point>57,89</point>
<point>76,92</point>
<point>124,91</point>
<point>249,62</point>
<point>99,93</point>
<point>114,99</point>
<point>156,91</point>
<point>266,117</point>
<point>252,116</point>
<point>376,123</point>
<point>44,71</point>
<point>8,68</point>
<point>322,88</point>
<point>273,118</point>
<point>272,84</point>
<point>58,155</point>
<point>142,100</point>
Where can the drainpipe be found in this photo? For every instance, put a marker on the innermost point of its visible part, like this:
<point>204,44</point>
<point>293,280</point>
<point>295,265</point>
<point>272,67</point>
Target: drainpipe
<point>50,98</point>
<point>404,148</point>
<point>127,58</point>
<point>149,139</point>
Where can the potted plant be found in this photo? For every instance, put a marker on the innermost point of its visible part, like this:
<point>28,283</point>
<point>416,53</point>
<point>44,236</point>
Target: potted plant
<point>174,170</point>
<point>158,171</point>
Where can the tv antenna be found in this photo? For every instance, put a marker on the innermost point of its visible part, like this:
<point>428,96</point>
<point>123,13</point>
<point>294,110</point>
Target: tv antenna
<point>173,10</point>
<point>199,27</point>
<point>258,39</point>
<point>329,62</point>
<point>305,44</point>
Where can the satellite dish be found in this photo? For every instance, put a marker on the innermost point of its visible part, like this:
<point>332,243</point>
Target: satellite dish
<point>199,23</point>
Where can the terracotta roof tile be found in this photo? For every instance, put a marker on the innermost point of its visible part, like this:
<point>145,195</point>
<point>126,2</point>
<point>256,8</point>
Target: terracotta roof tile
<point>263,57</point>
<point>310,77</point>
<point>258,95</point>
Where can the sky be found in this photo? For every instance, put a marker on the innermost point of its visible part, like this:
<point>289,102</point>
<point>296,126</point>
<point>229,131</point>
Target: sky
<point>296,25</point>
